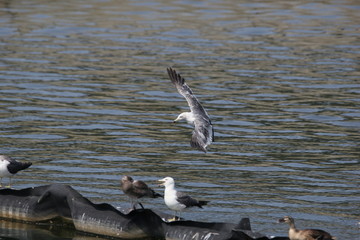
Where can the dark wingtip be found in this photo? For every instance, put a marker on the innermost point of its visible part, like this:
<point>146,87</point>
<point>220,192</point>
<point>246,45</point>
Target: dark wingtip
<point>198,146</point>
<point>202,148</point>
<point>213,133</point>
<point>202,203</point>
<point>158,195</point>
<point>169,71</point>
<point>174,76</point>
<point>25,165</point>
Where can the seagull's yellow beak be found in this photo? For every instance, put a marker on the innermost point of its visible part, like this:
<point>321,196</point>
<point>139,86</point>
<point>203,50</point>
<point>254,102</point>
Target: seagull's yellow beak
<point>162,182</point>
<point>178,118</point>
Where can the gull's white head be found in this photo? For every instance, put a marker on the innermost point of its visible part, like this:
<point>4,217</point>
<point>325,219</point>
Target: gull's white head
<point>168,181</point>
<point>188,116</point>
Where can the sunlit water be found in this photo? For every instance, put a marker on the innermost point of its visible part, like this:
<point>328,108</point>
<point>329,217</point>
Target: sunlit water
<point>85,96</point>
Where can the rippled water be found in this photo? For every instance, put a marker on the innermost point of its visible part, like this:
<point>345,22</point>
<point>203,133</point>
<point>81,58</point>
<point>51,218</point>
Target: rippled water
<point>85,96</point>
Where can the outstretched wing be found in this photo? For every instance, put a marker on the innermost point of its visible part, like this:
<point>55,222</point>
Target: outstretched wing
<point>180,84</point>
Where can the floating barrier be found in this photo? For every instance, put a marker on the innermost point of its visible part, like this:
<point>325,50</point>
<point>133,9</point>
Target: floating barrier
<point>61,205</point>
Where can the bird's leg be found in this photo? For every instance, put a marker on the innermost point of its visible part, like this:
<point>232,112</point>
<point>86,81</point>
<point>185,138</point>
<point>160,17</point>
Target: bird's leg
<point>134,203</point>
<point>172,219</point>
<point>134,206</point>
<point>9,183</point>
<point>131,202</point>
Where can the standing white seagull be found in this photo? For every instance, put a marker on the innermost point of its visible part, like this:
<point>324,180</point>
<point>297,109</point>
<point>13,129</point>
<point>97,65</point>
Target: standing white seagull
<point>177,201</point>
<point>203,134</point>
<point>9,167</point>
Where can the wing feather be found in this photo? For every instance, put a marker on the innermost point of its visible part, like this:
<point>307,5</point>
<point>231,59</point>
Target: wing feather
<point>141,189</point>
<point>186,200</point>
<point>140,185</point>
<point>319,234</point>
<point>186,92</point>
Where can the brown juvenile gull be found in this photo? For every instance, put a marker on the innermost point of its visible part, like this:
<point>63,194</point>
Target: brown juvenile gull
<point>178,201</point>
<point>136,189</point>
<point>9,167</point>
<point>203,133</point>
<point>306,234</point>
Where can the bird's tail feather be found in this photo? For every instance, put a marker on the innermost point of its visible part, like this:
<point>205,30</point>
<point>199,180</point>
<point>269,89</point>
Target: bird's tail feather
<point>202,203</point>
<point>26,165</point>
<point>195,144</point>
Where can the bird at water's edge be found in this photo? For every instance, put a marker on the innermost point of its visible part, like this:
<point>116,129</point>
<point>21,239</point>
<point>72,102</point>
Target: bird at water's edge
<point>136,189</point>
<point>203,133</point>
<point>306,234</point>
<point>176,200</point>
<point>9,167</point>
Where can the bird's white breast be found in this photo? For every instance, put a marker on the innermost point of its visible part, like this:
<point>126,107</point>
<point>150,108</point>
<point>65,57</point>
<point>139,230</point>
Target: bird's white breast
<point>3,169</point>
<point>170,200</point>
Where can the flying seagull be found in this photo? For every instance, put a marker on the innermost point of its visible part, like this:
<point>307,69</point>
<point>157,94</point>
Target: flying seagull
<point>9,167</point>
<point>203,133</point>
<point>306,234</point>
<point>136,189</point>
<point>178,201</point>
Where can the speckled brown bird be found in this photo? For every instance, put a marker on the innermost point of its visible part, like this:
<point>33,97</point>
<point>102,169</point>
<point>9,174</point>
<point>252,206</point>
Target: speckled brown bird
<point>136,189</point>
<point>306,234</point>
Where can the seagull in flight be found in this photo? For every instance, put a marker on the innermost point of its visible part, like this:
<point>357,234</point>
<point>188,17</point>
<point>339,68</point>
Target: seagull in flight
<point>136,189</point>
<point>9,167</point>
<point>203,133</point>
<point>176,200</point>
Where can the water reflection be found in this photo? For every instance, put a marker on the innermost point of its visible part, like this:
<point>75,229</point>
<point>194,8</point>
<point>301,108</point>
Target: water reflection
<point>85,97</point>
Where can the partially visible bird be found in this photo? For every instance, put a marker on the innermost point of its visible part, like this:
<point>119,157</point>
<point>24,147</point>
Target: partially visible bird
<point>178,201</point>
<point>9,167</point>
<point>203,133</point>
<point>136,189</point>
<point>306,234</point>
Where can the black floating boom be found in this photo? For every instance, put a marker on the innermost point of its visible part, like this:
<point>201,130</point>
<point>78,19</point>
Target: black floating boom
<point>57,201</point>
